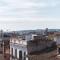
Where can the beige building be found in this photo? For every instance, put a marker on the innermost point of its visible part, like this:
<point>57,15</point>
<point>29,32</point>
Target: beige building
<point>51,35</point>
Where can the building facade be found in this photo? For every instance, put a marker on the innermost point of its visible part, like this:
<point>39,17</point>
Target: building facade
<point>18,48</point>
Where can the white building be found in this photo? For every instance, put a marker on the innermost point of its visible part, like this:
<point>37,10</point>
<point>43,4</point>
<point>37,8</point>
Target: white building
<point>30,37</point>
<point>18,47</point>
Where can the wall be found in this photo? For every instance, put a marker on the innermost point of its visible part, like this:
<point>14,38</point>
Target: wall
<point>38,45</point>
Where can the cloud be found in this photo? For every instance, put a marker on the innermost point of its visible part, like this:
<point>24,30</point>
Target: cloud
<point>29,24</point>
<point>24,8</point>
<point>28,13</point>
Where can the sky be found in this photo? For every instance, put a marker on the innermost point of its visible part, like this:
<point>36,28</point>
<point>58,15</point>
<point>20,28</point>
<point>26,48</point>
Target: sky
<point>29,14</point>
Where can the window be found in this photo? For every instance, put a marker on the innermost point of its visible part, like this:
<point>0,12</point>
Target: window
<point>20,55</point>
<point>24,55</point>
<point>12,52</point>
<point>15,53</point>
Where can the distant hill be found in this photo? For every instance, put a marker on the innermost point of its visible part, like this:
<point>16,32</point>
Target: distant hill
<point>37,31</point>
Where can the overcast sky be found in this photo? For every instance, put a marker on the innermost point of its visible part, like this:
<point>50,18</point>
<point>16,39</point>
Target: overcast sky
<point>29,14</point>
